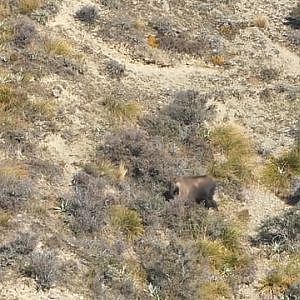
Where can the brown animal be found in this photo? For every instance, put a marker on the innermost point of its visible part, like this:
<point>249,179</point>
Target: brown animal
<point>193,188</point>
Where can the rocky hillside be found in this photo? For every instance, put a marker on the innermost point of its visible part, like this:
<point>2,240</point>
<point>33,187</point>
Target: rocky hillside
<point>103,102</point>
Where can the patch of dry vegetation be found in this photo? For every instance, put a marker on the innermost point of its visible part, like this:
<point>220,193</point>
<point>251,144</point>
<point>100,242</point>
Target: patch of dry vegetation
<point>235,147</point>
<point>280,171</point>
<point>28,6</point>
<point>283,276</point>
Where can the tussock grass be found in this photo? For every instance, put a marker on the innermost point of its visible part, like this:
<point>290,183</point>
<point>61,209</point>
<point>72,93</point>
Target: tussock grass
<point>28,6</point>
<point>261,21</point>
<point>6,33</point>
<point>4,11</point>
<point>127,221</point>
<point>13,170</point>
<point>231,142</point>
<point>215,290</point>
<point>124,111</point>
<point>58,46</point>
<point>278,172</point>
<point>104,167</point>
<point>281,278</point>
<point>218,60</point>
<point>11,100</point>
<point>4,219</point>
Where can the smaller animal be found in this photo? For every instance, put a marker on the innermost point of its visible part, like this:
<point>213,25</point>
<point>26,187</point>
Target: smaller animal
<point>193,188</point>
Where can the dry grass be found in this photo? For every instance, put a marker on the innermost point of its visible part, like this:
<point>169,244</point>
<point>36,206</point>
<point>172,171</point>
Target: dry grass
<point>126,221</point>
<point>279,171</point>
<point>6,33</point>
<point>4,219</point>
<point>104,167</point>
<point>124,111</point>
<point>261,22</point>
<point>218,60</point>
<point>233,144</point>
<point>152,41</point>
<point>13,170</point>
<point>4,11</point>
<point>28,6</point>
<point>215,290</point>
<point>281,278</point>
<point>58,46</point>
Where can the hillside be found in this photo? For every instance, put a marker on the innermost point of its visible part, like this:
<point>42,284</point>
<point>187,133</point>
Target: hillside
<point>103,102</point>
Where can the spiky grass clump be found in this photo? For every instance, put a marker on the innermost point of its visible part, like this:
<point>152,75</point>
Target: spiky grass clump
<point>279,171</point>
<point>104,167</point>
<point>28,6</point>
<point>58,46</point>
<point>231,142</point>
<point>215,290</point>
<point>124,111</point>
<point>281,278</point>
<point>127,221</point>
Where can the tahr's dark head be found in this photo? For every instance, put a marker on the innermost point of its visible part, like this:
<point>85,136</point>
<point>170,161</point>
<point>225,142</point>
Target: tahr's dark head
<point>171,192</point>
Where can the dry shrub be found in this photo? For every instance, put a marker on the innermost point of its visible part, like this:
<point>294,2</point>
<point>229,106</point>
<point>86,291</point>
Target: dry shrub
<point>281,233</point>
<point>44,267</point>
<point>115,69</point>
<point>147,158</point>
<point>87,207</point>
<point>24,32</point>
<point>15,186</point>
<point>87,14</point>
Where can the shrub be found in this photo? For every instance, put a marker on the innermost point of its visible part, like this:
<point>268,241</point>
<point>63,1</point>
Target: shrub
<point>115,69</point>
<point>44,267</point>
<point>281,232</point>
<point>28,6</point>
<point>24,244</point>
<point>145,157</point>
<point>293,292</point>
<point>87,206</point>
<point>87,14</point>
<point>173,271</point>
<point>15,186</point>
<point>294,18</point>
<point>188,108</point>
<point>127,221</point>
<point>180,42</point>
<point>24,32</point>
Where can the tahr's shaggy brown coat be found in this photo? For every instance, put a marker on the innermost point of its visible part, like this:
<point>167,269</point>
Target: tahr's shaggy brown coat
<point>195,189</point>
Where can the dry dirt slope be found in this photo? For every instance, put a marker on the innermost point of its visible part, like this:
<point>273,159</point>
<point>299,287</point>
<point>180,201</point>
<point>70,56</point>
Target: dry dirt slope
<point>235,92</point>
